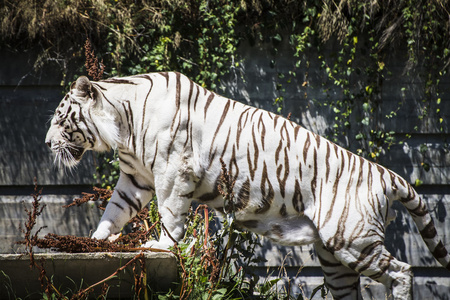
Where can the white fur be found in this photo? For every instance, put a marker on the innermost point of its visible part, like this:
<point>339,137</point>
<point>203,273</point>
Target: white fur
<point>291,185</point>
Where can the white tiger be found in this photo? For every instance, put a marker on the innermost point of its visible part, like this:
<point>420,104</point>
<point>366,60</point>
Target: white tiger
<point>292,185</point>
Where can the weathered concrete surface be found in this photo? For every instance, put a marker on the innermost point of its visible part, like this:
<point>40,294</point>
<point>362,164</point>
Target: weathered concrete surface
<point>303,281</point>
<point>72,271</point>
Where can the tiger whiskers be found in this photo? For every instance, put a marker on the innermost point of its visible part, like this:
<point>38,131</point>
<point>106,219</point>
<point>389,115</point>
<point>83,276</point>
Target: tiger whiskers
<point>50,118</point>
<point>66,154</point>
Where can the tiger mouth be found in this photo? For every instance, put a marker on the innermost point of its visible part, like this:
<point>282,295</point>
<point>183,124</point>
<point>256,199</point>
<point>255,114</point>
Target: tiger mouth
<point>76,152</point>
<point>69,156</point>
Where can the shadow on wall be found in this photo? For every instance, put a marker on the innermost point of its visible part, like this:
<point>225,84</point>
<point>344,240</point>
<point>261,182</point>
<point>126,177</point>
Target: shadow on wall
<point>24,120</point>
<point>28,99</point>
<point>305,97</point>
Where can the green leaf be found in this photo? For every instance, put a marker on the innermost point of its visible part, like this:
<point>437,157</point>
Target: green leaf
<point>268,285</point>
<point>277,38</point>
<point>220,294</point>
<point>423,148</point>
<point>426,167</point>
<point>366,121</point>
<point>366,107</point>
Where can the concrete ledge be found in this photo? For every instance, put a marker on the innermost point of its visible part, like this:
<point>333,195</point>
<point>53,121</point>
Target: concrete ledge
<point>72,271</point>
<point>429,283</point>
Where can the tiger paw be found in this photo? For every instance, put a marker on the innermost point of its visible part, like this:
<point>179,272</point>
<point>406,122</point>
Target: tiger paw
<point>100,234</point>
<point>114,237</point>
<point>163,245</point>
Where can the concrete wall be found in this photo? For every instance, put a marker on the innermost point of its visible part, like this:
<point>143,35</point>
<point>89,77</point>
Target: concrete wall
<point>69,272</point>
<point>27,100</point>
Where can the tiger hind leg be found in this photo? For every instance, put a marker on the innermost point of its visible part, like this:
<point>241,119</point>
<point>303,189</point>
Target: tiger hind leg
<point>378,264</point>
<point>342,281</point>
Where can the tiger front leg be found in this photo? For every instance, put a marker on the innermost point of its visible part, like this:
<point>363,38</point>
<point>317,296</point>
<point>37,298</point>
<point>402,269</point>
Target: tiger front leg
<point>173,208</point>
<point>173,214</point>
<point>174,188</point>
<point>128,198</point>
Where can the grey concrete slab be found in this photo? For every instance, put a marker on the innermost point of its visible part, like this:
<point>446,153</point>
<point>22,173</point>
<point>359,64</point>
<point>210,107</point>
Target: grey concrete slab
<point>72,271</point>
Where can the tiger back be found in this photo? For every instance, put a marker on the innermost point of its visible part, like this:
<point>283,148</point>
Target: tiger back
<point>291,185</point>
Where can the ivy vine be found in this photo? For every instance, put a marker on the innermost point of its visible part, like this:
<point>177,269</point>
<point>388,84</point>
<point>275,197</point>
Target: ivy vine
<point>200,38</point>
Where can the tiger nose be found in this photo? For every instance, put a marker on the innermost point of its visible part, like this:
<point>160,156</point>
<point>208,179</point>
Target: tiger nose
<point>49,144</point>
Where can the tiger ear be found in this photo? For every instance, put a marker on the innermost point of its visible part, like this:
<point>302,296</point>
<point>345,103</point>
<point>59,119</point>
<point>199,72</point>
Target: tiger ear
<point>83,86</point>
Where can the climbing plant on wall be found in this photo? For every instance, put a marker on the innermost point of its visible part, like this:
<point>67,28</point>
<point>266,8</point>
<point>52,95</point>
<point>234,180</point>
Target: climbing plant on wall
<point>200,39</point>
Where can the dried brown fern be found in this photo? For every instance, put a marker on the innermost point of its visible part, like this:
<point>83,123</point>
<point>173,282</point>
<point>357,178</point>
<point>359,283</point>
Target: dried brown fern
<point>93,67</point>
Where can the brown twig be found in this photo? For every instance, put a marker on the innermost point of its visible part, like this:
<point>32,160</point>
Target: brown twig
<point>32,214</point>
<point>225,187</point>
<point>99,194</point>
<point>31,239</point>
<point>82,293</point>
<point>94,68</point>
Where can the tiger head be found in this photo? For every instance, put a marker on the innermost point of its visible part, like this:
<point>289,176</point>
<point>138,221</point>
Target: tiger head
<point>80,123</point>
